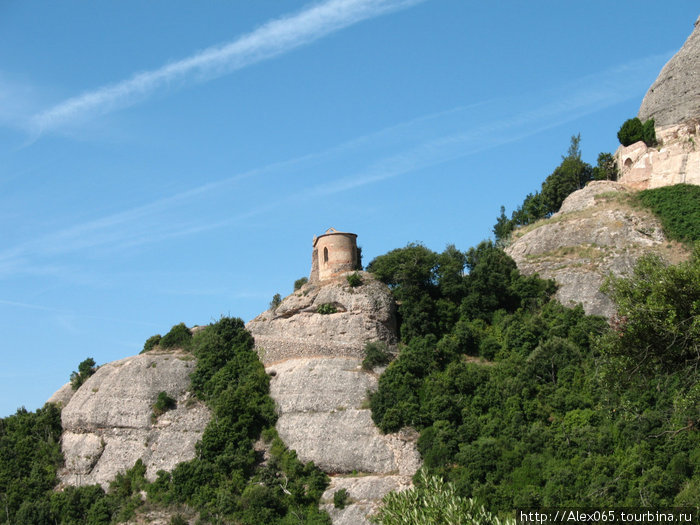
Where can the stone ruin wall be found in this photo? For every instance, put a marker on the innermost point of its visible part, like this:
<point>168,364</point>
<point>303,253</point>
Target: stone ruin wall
<point>676,160</point>
<point>333,253</point>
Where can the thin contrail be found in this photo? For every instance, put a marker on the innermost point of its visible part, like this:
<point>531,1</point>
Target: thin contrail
<point>272,39</point>
<point>144,224</point>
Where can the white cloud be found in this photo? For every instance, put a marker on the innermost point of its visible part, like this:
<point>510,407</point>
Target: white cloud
<point>272,39</point>
<point>392,152</point>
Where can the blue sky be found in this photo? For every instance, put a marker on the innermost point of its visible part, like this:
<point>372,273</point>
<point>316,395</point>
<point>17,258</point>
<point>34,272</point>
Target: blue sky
<point>171,161</point>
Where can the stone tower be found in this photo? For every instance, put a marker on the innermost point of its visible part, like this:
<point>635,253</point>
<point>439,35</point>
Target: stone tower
<point>333,252</point>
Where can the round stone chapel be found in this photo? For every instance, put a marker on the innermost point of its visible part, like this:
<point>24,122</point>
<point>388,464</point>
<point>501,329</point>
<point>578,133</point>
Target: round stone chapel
<point>333,252</point>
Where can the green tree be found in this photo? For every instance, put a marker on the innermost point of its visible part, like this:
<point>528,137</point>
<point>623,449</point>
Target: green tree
<point>85,370</point>
<point>571,175</point>
<point>657,326</point>
<point>606,169</point>
<point>179,336</point>
<point>435,502</point>
<point>632,130</point>
<point>276,301</point>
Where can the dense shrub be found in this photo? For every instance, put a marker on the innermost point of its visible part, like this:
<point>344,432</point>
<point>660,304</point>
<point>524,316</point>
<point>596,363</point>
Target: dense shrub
<point>163,403</point>
<point>30,454</point>
<point>354,279</point>
<point>565,412</point>
<point>300,282</point>
<point>179,336</point>
<point>326,309</point>
<point>85,370</point>
<point>340,498</point>
<point>633,130</point>
<point>435,502</point>
<point>376,354</point>
<point>151,343</point>
<point>678,208</point>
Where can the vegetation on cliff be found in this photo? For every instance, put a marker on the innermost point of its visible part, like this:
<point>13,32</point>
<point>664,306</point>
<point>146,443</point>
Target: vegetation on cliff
<point>678,208</point>
<point>633,130</point>
<point>225,483</point>
<point>572,174</point>
<point>566,411</point>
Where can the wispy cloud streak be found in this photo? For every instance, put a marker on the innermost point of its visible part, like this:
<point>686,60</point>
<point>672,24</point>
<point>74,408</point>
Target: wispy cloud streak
<point>272,39</point>
<point>392,152</point>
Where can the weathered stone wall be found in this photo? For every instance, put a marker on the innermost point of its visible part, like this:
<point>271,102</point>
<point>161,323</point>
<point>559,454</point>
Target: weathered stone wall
<point>334,252</point>
<point>676,160</point>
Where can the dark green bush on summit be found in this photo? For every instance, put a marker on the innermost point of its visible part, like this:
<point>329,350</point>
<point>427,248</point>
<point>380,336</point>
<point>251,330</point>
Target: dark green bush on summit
<point>300,282</point>
<point>85,370</point>
<point>151,343</point>
<point>634,131</point>
<point>179,336</point>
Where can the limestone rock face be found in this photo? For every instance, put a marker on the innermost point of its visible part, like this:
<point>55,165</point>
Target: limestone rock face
<point>107,424</point>
<point>321,390</point>
<point>323,415</point>
<point>365,492</point>
<point>675,95</point>
<point>61,396</point>
<point>295,329</point>
<point>596,232</point>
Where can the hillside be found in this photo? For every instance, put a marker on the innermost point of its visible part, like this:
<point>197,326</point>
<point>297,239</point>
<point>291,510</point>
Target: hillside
<point>598,231</point>
<point>558,366</point>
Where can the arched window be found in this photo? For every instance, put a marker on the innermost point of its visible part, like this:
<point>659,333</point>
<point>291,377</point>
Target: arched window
<point>325,255</point>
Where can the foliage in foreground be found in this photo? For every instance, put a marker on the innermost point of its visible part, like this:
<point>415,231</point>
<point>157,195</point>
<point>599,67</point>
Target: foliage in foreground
<point>433,501</point>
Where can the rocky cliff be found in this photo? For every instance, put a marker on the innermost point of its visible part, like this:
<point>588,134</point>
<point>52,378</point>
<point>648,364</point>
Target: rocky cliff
<point>675,95</point>
<point>108,422</point>
<point>675,160</point>
<point>596,232</point>
<point>321,390</point>
<point>673,101</point>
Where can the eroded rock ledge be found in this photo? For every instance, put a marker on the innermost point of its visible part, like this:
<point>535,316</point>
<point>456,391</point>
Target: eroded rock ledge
<point>321,390</point>
<point>295,329</point>
<point>107,422</point>
<point>595,233</point>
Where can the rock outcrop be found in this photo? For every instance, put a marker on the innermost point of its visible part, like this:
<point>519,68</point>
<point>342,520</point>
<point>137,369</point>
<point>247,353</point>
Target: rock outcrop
<point>675,95</point>
<point>596,232</point>
<point>673,101</point>
<point>295,329</point>
<point>108,423</point>
<point>675,160</point>
<point>321,390</point>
